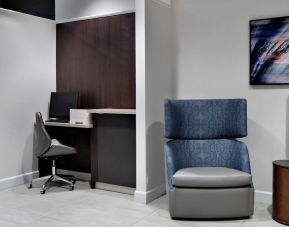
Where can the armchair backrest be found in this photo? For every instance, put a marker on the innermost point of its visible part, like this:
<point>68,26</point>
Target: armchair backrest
<point>205,119</point>
<point>42,140</point>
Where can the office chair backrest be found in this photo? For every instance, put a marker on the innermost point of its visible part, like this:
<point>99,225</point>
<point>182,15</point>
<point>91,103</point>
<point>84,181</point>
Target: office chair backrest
<point>42,140</point>
<point>205,119</point>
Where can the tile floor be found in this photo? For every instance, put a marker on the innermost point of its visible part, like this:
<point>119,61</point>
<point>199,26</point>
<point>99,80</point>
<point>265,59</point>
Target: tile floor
<point>85,207</point>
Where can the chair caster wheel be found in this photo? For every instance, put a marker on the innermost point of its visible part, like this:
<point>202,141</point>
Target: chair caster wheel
<point>71,188</point>
<point>29,186</point>
<point>42,192</point>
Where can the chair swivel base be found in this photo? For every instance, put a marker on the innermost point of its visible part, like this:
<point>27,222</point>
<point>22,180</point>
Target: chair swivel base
<point>57,180</point>
<point>54,179</point>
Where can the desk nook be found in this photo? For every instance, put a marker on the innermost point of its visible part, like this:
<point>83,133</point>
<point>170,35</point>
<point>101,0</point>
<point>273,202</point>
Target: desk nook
<point>96,60</point>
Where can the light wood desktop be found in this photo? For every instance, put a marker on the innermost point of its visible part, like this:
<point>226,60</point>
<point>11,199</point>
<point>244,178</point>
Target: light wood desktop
<point>112,111</point>
<point>69,125</point>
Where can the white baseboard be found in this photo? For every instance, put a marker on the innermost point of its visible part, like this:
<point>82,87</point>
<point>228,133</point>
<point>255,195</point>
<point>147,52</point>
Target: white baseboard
<point>115,188</point>
<point>148,196</point>
<point>18,180</point>
<point>263,196</point>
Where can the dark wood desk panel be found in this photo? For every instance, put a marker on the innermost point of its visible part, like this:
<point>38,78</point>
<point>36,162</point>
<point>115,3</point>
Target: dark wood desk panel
<point>116,149</point>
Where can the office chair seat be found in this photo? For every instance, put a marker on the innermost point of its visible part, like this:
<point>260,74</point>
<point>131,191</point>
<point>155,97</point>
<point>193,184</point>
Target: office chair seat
<point>58,149</point>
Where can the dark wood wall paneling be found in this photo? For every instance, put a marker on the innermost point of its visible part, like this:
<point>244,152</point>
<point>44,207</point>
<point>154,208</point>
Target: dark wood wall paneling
<point>96,58</point>
<point>40,8</point>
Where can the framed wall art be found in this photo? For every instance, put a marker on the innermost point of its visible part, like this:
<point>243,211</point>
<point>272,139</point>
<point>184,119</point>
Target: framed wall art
<point>269,51</point>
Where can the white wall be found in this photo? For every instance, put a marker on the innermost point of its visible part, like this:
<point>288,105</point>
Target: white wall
<point>69,9</point>
<point>27,76</point>
<point>141,161</point>
<point>153,84</point>
<point>211,47</point>
<point>158,87</point>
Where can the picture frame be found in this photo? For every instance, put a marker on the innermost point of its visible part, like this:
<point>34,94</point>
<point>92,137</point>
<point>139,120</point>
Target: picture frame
<point>269,51</point>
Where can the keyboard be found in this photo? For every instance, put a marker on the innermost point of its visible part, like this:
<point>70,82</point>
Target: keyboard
<point>57,120</point>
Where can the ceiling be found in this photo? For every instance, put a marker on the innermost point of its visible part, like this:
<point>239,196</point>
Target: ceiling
<point>40,8</point>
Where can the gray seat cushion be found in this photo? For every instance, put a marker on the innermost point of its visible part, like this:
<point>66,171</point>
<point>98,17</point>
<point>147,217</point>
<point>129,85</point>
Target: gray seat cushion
<point>58,149</point>
<point>211,177</point>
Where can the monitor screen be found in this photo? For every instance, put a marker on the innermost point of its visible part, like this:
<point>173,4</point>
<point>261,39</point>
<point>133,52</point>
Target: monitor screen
<point>61,103</point>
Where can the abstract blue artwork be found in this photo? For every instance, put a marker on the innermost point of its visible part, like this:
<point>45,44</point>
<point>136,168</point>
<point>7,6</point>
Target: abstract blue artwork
<point>269,54</point>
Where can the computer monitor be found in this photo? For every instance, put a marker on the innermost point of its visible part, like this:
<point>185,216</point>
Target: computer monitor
<point>61,103</point>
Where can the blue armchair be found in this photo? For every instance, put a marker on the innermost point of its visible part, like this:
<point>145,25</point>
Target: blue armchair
<point>208,171</point>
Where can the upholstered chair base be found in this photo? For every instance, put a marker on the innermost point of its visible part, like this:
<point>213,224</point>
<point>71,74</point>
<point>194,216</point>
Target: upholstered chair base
<point>194,203</point>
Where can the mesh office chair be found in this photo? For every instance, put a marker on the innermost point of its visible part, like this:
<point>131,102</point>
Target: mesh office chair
<point>47,148</point>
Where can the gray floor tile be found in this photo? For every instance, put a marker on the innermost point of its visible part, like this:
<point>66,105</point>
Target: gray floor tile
<point>269,223</point>
<point>17,216</point>
<point>49,222</point>
<point>86,207</point>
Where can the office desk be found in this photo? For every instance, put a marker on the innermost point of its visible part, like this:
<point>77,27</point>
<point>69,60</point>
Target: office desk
<point>106,147</point>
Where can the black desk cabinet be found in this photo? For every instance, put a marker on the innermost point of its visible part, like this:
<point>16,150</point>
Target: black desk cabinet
<point>116,149</point>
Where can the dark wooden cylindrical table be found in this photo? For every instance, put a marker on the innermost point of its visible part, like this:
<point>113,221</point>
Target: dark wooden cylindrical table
<point>280,203</point>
